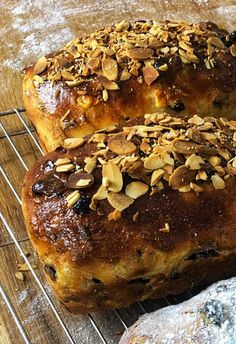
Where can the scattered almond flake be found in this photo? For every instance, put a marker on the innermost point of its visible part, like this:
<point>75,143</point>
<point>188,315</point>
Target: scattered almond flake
<point>110,69</point>
<point>113,176</point>
<point>217,182</point>
<point>40,65</point>
<point>194,162</point>
<point>20,276</point>
<point>114,216</point>
<point>90,164</point>
<point>233,50</point>
<point>72,198</point>
<point>119,201</point>
<point>136,216</point>
<point>165,229</point>
<point>185,188</point>
<point>196,187</point>
<point>105,95</point>
<point>163,68</point>
<point>93,63</point>
<point>136,189</point>
<point>119,145</point>
<point>150,74</point>
<point>61,161</point>
<point>67,75</point>
<point>201,175</point>
<point>216,42</point>
<point>80,180</point>
<point>181,176</point>
<point>65,168</point>
<point>167,158</point>
<point>24,267</point>
<point>73,142</point>
<point>156,176</point>
<point>108,84</point>
<point>125,75</point>
<point>139,54</point>
<point>196,120</point>
<point>153,162</point>
<point>101,193</point>
<point>214,161</point>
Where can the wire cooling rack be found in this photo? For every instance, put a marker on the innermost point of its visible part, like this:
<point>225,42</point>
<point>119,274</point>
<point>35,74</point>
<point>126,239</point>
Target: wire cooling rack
<point>62,327</point>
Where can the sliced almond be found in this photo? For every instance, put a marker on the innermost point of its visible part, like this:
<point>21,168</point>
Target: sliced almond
<point>156,176</point>
<point>136,189</point>
<point>72,198</point>
<point>75,82</point>
<point>105,95</point>
<point>218,182</point>
<point>201,175</point>
<point>67,75</point>
<point>139,54</point>
<point>73,142</point>
<point>80,180</point>
<point>185,147</point>
<point>62,161</point>
<point>233,50</point>
<point>107,84</point>
<point>216,42</point>
<point>194,162</point>
<point>119,201</point>
<point>196,187</point>
<point>93,63</point>
<point>110,69</point>
<point>150,74</point>
<point>125,75</point>
<point>112,176</point>
<point>90,164</point>
<point>153,162</point>
<point>119,145</point>
<point>101,193</point>
<point>165,229</point>
<point>214,160</point>
<point>65,168</point>
<point>182,176</point>
<point>41,65</point>
<point>196,120</point>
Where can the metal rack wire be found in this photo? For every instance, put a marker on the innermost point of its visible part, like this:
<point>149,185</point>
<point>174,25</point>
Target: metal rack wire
<point>29,131</point>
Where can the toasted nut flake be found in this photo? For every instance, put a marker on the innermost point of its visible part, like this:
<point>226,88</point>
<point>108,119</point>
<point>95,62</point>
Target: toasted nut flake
<point>156,176</point>
<point>119,145</point>
<point>41,65</point>
<point>19,275</point>
<point>61,161</point>
<point>214,161</point>
<point>67,75</point>
<point>196,187</point>
<point>105,95</point>
<point>233,161</point>
<point>150,74</point>
<point>136,217</point>
<point>185,147</point>
<point>65,168</point>
<point>73,142</point>
<point>186,188</point>
<point>24,267</point>
<point>113,176</point>
<point>233,50</point>
<point>80,180</point>
<point>136,189</point>
<point>139,54</point>
<point>110,69</point>
<point>93,63</point>
<point>90,164</point>
<point>165,229</point>
<point>182,176</point>
<point>217,182</point>
<point>196,120</point>
<point>115,215</point>
<point>101,193</point>
<point>194,162</point>
<point>107,84</point>
<point>125,75</point>
<point>167,159</point>
<point>153,162</point>
<point>75,82</point>
<point>163,68</point>
<point>72,198</point>
<point>201,175</point>
<point>119,201</point>
<point>216,42</point>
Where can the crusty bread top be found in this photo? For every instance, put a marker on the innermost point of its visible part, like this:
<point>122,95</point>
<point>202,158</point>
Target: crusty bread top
<point>158,180</point>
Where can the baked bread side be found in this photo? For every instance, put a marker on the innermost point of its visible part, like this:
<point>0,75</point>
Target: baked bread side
<point>209,317</point>
<point>136,212</point>
<point>128,70</point>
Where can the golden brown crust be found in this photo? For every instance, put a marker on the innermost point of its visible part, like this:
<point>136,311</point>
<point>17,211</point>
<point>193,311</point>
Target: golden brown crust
<point>94,260</point>
<point>161,73</point>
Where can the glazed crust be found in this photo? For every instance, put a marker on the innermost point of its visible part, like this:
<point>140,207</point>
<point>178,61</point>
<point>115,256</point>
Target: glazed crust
<point>183,86</point>
<point>93,263</point>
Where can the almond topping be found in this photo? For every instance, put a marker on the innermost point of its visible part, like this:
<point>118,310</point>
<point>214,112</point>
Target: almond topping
<point>112,177</point>
<point>194,162</point>
<point>61,161</point>
<point>72,198</point>
<point>73,142</point>
<point>80,180</point>
<point>93,63</point>
<point>41,65</point>
<point>139,54</point>
<point>233,50</point>
<point>156,176</point>
<point>67,75</point>
<point>136,189</point>
<point>214,161</point>
<point>65,168</point>
<point>150,74</point>
<point>125,75</point>
<point>196,120</point>
<point>119,201</point>
<point>153,162</point>
<point>182,176</point>
<point>216,42</point>
<point>185,147</point>
<point>119,145</point>
<point>107,84</point>
<point>217,182</point>
<point>196,187</point>
<point>110,69</point>
<point>90,164</point>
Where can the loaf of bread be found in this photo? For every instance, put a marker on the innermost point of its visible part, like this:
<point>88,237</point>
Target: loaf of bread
<point>208,318</point>
<point>135,212</point>
<point>128,70</point>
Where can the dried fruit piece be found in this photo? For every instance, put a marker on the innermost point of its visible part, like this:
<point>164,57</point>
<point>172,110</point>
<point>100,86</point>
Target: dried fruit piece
<point>139,54</point>
<point>136,189</point>
<point>80,180</point>
<point>107,84</point>
<point>194,162</point>
<point>182,176</point>
<point>153,162</point>
<point>150,74</point>
<point>40,66</point>
<point>112,177</point>
<point>156,176</point>
<point>110,69</point>
<point>73,142</point>
<point>119,201</point>
<point>119,145</point>
<point>218,182</point>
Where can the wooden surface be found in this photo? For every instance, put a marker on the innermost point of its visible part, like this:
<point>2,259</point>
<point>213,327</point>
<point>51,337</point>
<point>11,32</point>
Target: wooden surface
<point>29,29</point>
